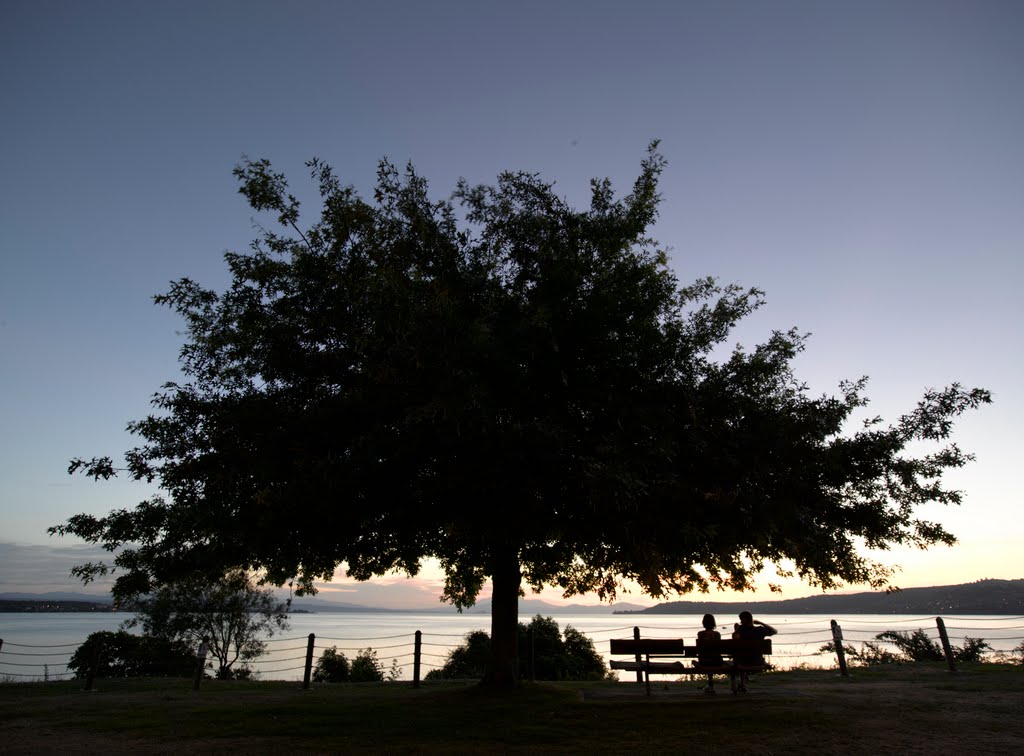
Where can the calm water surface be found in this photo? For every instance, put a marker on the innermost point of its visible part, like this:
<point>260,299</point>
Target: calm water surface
<point>38,645</point>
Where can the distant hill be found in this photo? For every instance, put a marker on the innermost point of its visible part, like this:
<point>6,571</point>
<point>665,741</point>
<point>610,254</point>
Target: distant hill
<point>81,602</point>
<point>981,597</point>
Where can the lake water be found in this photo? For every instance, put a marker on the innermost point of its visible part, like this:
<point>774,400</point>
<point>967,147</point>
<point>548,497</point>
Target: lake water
<point>38,645</point>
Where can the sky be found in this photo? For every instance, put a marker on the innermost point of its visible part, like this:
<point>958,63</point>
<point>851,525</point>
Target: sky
<point>861,162</point>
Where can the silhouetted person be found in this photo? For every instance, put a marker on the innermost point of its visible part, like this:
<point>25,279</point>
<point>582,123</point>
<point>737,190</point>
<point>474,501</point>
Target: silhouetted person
<point>708,659</point>
<point>750,629</point>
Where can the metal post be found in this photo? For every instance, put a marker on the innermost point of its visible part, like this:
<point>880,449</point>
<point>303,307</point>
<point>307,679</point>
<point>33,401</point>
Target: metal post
<point>837,639</point>
<point>416,652</point>
<point>309,661</point>
<point>946,648</point>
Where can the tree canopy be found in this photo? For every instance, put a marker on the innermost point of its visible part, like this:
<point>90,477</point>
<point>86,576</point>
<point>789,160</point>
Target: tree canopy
<point>522,390</point>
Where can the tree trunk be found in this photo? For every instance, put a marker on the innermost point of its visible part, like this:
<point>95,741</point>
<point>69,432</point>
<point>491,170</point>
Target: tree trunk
<point>503,668</point>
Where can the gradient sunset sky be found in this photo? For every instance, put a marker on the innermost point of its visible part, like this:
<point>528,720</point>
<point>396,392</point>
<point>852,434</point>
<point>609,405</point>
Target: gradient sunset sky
<point>862,162</point>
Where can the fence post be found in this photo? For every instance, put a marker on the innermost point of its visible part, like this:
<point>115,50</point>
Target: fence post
<point>200,663</point>
<point>639,672</point>
<point>94,665</point>
<point>530,668</point>
<point>837,639</point>
<point>309,661</point>
<point>416,651</point>
<point>946,648</point>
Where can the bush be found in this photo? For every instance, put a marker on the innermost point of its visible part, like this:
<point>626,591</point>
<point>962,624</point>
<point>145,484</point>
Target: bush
<point>972,651</point>
<point>1016,656</point>
<point>468,661</point>
<point>124,654</point>
<point>366,667</point>
<point>916,646</point>
<point>557,656</point>
<point>331,667</point>
<point>911,647</point>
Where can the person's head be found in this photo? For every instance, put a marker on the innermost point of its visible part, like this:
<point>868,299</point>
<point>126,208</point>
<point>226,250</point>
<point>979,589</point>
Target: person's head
<point>746,618</point>
<point>709,622</point>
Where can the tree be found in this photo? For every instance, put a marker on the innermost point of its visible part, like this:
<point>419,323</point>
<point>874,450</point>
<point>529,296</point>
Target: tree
<point>230,613</point>
<point>122,654</point>
<point>523,392</point>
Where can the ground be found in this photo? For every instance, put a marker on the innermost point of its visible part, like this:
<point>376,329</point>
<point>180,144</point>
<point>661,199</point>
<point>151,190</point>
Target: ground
<point>908,709</point>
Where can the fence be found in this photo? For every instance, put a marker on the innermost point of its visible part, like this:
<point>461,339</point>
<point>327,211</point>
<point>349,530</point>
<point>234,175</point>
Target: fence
<point>798,644</point>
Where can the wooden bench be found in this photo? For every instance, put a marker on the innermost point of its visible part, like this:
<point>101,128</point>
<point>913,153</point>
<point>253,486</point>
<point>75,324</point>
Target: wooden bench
<point>651,656</point>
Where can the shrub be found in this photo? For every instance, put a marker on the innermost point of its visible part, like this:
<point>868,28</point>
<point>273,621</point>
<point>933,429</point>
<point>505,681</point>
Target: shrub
<point>1016,656</point>
<point>911,647</point>
<point>916,646</point>
<point>568,655</point>
<point>466,661</point>
<point>332,667</point>
<point>972,651</point>
<point>366,667</point>
<point>123,654</point>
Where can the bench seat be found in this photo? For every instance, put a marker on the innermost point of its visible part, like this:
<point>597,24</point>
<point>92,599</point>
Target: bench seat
<point>649,657</point>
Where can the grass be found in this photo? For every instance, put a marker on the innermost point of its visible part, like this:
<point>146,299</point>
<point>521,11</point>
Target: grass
<point>910,709</point>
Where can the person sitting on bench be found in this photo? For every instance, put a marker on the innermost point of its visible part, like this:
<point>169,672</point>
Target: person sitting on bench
<point>709,633</point>
<point>750,629</point>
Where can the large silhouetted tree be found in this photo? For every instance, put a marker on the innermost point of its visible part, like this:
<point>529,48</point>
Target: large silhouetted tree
<point>518,389</point>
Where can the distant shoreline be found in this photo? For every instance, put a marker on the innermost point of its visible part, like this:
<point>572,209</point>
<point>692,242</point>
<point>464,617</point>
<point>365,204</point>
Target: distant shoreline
<point>984,597</point>
<point>994,597</point>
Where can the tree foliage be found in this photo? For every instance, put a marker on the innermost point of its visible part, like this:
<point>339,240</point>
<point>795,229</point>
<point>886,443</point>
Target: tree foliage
<point>231,614</point>
<point>519,389</point>
<point>123,654</point>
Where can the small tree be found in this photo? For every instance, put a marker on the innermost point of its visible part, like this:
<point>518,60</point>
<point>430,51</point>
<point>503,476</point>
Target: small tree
<point>232,613</point>
<point>332,667</point>
<point>123,654</point>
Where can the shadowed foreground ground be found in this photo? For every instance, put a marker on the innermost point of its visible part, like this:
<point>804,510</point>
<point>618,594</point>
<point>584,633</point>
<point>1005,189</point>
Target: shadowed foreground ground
<point>909,709</point>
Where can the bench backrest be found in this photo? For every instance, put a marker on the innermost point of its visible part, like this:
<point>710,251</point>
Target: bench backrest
<point>732,646</point>
<point>667,646</point>
<point>678,647</point>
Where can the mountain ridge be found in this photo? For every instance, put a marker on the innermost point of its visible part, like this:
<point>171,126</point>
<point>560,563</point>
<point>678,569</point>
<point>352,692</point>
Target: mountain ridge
<point>989,596</point>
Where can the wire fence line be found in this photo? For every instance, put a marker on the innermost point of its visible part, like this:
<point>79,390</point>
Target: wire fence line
<point>799,643</point>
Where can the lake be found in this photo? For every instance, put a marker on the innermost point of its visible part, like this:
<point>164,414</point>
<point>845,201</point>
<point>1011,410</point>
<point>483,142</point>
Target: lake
<point>38,645</point>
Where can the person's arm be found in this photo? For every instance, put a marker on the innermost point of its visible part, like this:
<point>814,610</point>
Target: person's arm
<point>771,630</point>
